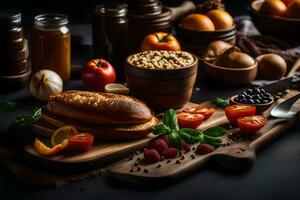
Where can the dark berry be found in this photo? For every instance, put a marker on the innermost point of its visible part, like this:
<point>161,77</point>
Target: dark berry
<point>263,91</point>
<point>241,96</point>
<point>257,101</point>
<point>204,149</point>
<point>165,138</point>
<point>186,147</point>
<point>249,91</point>
<point>251,101</point>
<point>256,90</point>
<point>269,99</point>
<point>159,145</point>
<point>170,153</point>
<point>151,155</point>
<point>265,101</point>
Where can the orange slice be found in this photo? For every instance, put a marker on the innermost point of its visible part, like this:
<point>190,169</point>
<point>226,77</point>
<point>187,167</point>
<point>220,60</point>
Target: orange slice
<point>61,134</point>
<point>116,88</point>
<point>44,150</point>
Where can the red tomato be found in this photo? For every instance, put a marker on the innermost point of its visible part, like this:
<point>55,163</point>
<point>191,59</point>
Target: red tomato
<point>81,141</point>
<point>207,112</point>
<point>233,112</point>
<point>251,124</point>
<point>96,73</point>
<point>286,2</point>
<point>189,120</point>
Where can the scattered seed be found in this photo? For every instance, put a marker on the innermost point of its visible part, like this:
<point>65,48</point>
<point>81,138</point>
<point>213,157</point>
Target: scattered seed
<point>192,156</point>
<point>177,162</point>
<point>168,161</point>
<point>146,171</point>
<point>182,158</point>
<point>158,166</point>
<point>139,169</point>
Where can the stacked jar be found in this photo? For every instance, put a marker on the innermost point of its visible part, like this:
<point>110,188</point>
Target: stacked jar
<point>14,50</point>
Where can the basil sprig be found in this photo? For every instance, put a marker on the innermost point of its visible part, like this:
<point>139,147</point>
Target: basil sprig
<point>6,106</point>
<point>219,102</point>
<point>26,120</point>
<point>169,127</point>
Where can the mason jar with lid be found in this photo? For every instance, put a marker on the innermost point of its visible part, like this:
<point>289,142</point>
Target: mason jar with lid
<point>51,44</point>
<point>110,34</point>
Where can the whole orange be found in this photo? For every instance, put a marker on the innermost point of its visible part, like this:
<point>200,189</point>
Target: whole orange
<point>220,18</point>
<point>274,8</point>
<point>293,10</point>
<point>198,22</point>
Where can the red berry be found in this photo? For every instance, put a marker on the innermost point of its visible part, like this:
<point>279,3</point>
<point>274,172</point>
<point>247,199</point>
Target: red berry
<point>165,138</point>
<point>152,155</point>
<point>204,149</point>
<point>170,153</point>
<point>186,147</point>
<point>159,145</point>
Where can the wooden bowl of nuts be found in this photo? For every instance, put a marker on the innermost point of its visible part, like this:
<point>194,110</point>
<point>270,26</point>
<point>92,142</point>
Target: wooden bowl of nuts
<point>163,79</point>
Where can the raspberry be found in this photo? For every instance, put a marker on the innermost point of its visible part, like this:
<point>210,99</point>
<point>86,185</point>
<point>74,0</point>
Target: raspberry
<point>165,138</point>
<point>159,145</point>
<point>170,153</point>
<point>186,147</point>
<point>204,149</point>
<point>152,155</point>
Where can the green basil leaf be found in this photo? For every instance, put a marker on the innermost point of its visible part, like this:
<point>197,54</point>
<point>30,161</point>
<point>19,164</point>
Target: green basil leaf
<point>216,131</point>
<point>210,140</point>
<point>188,138</point>
<point>174,139</point>
<point>161,129</point>
<point>219,102</point>
<point>170,119</point>
<point>190,131</point>
<point>6,106</point>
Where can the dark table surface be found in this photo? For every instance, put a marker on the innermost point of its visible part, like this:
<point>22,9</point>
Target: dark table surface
<point>276,174</point>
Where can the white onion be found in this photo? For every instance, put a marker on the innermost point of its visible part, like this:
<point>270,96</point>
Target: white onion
<point>45,83</point>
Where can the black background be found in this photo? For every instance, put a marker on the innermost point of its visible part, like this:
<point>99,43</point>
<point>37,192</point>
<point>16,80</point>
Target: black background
<point>80,11</point>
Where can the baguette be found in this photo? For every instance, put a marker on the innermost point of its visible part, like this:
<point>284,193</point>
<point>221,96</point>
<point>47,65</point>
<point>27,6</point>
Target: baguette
<point>102,132</point>
<point>99,108</point>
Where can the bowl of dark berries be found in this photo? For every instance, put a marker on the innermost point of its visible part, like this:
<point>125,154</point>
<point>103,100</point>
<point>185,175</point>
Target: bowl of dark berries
<point>257,97</point>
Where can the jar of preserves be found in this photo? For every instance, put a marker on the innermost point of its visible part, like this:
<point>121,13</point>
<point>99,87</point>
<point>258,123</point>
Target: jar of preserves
<point>51,44</point>
<point>110,35</point>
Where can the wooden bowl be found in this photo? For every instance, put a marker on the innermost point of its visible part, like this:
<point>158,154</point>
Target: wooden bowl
<point>232,76</point>
<point>260,108</point>
<point>162,89</point>
<point>274,25</point>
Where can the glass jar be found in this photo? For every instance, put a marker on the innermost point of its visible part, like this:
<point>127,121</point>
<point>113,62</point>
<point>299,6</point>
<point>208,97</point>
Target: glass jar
<point>51,44</point>
<point>110,35</point>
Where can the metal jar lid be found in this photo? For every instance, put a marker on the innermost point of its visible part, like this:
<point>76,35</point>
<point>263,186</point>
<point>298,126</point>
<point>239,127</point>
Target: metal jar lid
<point>111,10</point>
<point>10,18</point>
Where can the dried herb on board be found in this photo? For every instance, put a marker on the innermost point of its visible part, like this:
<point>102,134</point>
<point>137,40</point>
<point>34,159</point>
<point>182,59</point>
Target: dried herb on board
<point>219,102</point>
<point>170,128</point>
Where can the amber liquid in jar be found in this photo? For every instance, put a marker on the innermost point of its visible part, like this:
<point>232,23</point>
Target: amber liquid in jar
<point>51,45</point>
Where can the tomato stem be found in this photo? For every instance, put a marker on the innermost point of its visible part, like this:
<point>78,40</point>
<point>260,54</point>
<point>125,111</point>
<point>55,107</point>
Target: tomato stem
<point>98,64</point>
<point>163,39</point>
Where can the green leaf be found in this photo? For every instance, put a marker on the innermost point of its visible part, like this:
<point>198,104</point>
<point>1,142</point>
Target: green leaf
<point>174,139</point>
<point>219,102</point>
<point>6,106</point>
<point>211,140</point>
<point>26,120</point>
<point>189,138</point>
<point>170,119</point>
<point>190,131</point>
<point>216,131</point>
<point>161,129</point>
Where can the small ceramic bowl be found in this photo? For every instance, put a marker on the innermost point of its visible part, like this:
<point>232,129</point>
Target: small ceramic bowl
<point>273,25</point>
<point>260,108</point>
<point>232,76</point>
<point>196,41</point>
<point>162,89</point>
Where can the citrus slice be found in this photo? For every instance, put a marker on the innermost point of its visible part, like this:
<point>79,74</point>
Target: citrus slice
<point>61,134</point>
<point>116,88</point>
<point>44,150</point>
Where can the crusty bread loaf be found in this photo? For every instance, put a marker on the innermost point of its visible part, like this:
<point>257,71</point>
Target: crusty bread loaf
<point>102,132</point>
<point>99,108</point>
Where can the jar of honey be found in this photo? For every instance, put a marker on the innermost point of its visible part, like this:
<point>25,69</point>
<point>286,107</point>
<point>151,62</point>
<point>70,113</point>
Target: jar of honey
<point>51,44</point>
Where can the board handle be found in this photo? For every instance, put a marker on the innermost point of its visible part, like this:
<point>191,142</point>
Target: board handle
<point>237,157</point>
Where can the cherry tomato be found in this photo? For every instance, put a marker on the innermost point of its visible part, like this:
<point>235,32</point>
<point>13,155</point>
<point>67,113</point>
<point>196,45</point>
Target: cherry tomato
<point>207,112</point>
<point>160,41</point>
<point>251,124</point>
<point>189,120</point>
<point>96,73</point>
<point>233,112</point>
<point>80,141</point>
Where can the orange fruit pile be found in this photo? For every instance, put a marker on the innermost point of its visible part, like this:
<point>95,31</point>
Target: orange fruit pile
<point>281,8</point>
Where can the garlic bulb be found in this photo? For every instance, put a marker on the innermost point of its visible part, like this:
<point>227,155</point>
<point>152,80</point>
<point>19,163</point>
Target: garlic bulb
<point>45,83</point>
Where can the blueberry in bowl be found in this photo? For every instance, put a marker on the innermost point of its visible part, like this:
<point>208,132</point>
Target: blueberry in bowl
<point>257,97</point>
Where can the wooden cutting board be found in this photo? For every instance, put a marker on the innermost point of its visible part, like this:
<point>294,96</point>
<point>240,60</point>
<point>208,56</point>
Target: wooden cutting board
<point>102,152</point>
<point>240,155</point>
